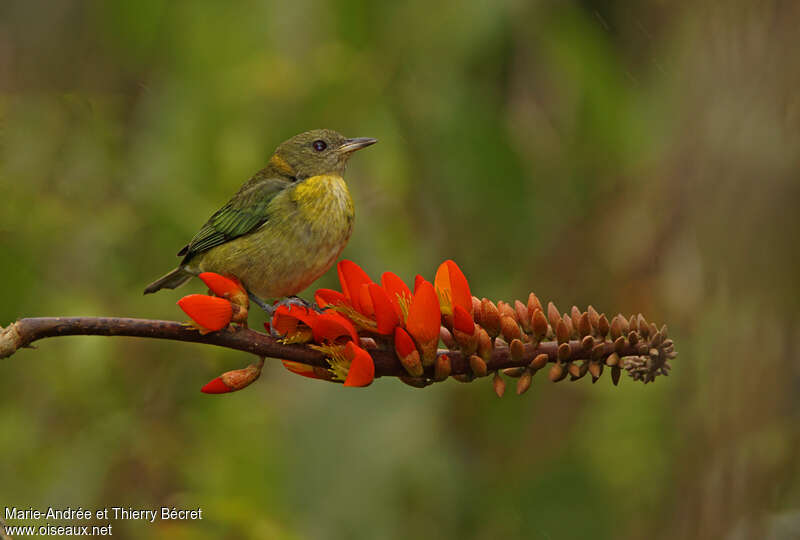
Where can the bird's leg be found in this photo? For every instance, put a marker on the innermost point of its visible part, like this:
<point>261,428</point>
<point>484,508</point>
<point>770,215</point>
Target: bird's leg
<point>288,301</point>
<point>269,309</point>
<point>297,301</point>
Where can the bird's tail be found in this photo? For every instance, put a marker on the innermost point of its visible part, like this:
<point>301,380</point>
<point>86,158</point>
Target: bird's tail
<point>174,279</point>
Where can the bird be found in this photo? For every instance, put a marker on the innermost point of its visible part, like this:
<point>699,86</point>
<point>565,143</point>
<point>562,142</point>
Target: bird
<point>286,225</point>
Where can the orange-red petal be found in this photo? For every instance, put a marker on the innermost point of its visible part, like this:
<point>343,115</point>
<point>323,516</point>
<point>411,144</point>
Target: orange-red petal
<point>462,321</point>
<point>362,368</point>
<point>221,285</point>
<point>396,289</point>
<point>285,318</point>
<point>351,277</point>
<point>417,280</point>
<point>301,369</point>
<point>209,312</point>
<point>424,315</point>
<point>385,316</point>
<point>365,300</point>
<point>330,326</point>
<point>451,281</point>
<point>403,344</point>
<point>329,297</point>
<point>216,386</point>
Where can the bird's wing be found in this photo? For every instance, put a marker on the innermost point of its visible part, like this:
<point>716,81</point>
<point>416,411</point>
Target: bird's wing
<point>245,212</point>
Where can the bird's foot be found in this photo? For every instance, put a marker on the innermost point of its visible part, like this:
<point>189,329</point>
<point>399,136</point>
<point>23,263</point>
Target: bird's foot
<point>269,309</point>
<point>301,302</point>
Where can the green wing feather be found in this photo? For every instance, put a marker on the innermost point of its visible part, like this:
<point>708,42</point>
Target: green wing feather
<point>245,212</point>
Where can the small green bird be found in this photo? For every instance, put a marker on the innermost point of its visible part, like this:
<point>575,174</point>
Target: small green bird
<point>285,226</point>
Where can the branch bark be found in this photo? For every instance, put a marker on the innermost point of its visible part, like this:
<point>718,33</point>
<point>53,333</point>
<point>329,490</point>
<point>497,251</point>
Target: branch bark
<point>24,332</point>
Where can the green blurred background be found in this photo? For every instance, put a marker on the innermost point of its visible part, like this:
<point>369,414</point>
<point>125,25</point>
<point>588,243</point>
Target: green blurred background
<point>641,158</point>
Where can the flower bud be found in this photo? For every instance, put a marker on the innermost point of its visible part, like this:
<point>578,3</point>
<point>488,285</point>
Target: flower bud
<point>478,366</point>
<point>522,315</point>
<point>524,382</point>
<point>540,361</point>
<point>509,328</point>
<point>231,381</point>
<point>442,367</point>
<point>557,372</point>
<point>553,316</point>
<point>539,323</point>
<point>490,317</point>
<point>498,384</point>
<point>533,304</point>
<point>516,349</point>
<point>485,346</point>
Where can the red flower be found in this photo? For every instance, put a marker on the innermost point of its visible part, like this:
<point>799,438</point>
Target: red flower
<point>224,287</point>
<point>330,326</point>
<point>386,317</point>
<point>424,317</point>
<point>329,297</point>
<point>462,321</point>
<point>452,288</point>
<point>294,322</point>
<point>373,307</point>
<point>362,368</point>
<point>399,293</point>
<point>208,312</point>
<point>352,278</point>
<point>407,352</point>
<point>424,320</point>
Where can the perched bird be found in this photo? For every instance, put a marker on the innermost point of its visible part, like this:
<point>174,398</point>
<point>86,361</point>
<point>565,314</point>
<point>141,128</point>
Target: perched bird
<point>285,226</point>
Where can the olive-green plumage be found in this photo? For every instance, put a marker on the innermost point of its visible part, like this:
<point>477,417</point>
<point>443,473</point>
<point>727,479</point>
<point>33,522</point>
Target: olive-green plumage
<point>284,227</point>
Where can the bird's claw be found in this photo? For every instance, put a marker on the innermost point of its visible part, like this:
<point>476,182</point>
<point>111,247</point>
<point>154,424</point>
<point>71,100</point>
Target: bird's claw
<point>301,302</point>
<point>269,309</point>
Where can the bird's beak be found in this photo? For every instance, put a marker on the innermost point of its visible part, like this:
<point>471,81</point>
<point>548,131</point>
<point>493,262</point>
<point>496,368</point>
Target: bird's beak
<point>351,145</point>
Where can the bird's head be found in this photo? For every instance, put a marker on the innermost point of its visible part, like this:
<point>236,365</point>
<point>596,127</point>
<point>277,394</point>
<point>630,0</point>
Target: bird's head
<point>316,152</point>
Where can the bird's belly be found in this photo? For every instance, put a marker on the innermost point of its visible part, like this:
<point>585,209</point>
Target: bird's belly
<point>273,266</point>
<point>287,253</point>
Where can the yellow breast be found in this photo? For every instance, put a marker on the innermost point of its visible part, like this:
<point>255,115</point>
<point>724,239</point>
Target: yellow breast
<point>325,202</point>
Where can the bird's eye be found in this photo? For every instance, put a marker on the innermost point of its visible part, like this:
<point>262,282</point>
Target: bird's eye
<point>319,145</point>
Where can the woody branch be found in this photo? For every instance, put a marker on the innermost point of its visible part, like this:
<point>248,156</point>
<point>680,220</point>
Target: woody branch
<point>647,352</point>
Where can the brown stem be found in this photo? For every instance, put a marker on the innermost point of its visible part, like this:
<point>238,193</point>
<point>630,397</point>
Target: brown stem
<point>26,331</point>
